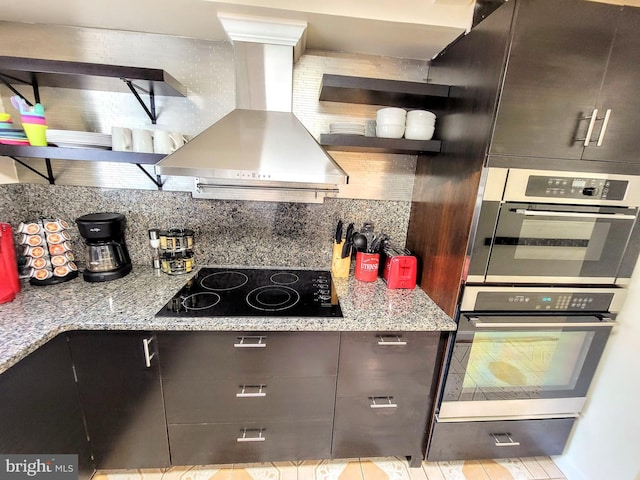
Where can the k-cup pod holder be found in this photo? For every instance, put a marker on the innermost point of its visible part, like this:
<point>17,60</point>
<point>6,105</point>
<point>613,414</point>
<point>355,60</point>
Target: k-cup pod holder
<point>176,251</point>
<point>47,251</point>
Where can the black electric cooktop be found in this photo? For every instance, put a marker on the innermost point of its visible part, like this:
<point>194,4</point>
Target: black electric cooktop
<point>237,292</point>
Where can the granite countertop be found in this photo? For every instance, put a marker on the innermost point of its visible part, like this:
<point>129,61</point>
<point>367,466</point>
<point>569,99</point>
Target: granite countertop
<point>40,313</point>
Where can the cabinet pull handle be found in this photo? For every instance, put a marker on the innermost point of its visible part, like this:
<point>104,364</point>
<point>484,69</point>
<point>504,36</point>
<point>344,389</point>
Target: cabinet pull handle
<point>603,130</point>
<point>147,355</point>
<point>391,340</point>
<point>592,122</point>
<point>257,435</point>
<point>251,342</point>
<point>499,443</point>
<point>258,393</point>
<point>382,402</point>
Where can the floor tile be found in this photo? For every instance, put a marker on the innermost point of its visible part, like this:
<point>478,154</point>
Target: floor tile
<point>199,472</point>
<point>136,474</point>
<point>497,471</point>
<point>343,469</point>
<point>386,468</point>
<point>255,471</point>
<point>432,471</point>
<point>552,470</point>
<point>467,470</point>
<point>535,469</point>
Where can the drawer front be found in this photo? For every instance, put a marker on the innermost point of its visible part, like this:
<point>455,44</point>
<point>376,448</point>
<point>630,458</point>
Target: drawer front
<point>414,384</point>
<point>361,430</point>
<point>499,439</point>
<point>250,399</point>
<point>362,353</point>
<point>221,443</point>
<point>233,354</point>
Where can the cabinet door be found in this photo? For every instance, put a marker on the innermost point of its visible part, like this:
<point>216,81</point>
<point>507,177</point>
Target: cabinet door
<point>40,408</point>
<point>620,141</point>
<point>122,399</point>
<point>557,61</point>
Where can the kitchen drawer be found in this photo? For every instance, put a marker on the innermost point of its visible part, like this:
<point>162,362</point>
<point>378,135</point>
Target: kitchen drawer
<point>233,354</point>
<point>362,353</point>
<point>476,440</point>
<point>218,443</point>
<point>413,384</point>
<point>360,430</point>
<point>193,400</point>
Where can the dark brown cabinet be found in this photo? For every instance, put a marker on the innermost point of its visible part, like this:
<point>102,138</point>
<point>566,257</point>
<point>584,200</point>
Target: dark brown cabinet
<point>121,395</point>
<point>384,395</point>
<point>249,397</point>
<point>40,411</point>
<point>570,81</point>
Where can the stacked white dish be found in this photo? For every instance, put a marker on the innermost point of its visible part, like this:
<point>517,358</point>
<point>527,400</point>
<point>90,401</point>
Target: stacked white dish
<point>346,128</point>
<point>420,125</point>
<point>74,139</point>
<point>390,122</point>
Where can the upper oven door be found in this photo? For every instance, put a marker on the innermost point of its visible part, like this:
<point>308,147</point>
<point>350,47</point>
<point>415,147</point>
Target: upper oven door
<point>558,243</point>
<point>506,365</point>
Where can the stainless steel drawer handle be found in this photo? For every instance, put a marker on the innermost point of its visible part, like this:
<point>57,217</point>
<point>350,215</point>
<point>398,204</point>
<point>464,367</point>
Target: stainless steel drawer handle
<point>391,340</point>
<point>382,402</point>
<point>147,355</point>
<point>499,440</point>
<point>252,435</point>
<point>251,342</point>
<point>548,213</point>
<point>250,391</point>
<point>605,322</point>
<point>603,130</point>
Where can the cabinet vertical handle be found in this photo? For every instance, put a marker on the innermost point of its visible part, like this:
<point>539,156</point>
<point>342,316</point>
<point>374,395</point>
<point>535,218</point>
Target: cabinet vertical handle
<point>500,443</point>
<point>592,122</point>
<point>251,342</point>
<point>391,340</point>
<point>603,130</point>
<point>255,435</point>
<point>147,355</point>
<point>382,402</point>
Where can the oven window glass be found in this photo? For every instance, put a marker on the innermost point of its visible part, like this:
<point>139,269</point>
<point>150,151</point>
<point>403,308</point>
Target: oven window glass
<point>552,239</point>
<point>519,365</point>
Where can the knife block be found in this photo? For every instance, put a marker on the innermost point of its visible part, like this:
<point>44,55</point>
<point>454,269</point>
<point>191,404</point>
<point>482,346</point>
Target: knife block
<point>340,267</point>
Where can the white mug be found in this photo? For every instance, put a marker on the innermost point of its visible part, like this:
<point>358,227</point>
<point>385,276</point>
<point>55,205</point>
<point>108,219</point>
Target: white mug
<point>166,142</point>
<point>142,140</point>
<point>121,139</point>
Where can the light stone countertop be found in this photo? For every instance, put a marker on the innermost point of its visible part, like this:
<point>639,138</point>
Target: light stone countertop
<point>38,314</point>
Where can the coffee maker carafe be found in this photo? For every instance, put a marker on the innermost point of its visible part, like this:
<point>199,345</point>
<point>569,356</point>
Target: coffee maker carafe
<point>106,251</point>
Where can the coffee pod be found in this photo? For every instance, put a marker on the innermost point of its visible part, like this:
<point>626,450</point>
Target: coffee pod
<point>54,238</point>
<point>62,271</point>
<point>34,251</point>
<point>29,228</point>
<point>40,273</point>
<point>59,260</point>
<point>52,226</point>
<point>32,240</point>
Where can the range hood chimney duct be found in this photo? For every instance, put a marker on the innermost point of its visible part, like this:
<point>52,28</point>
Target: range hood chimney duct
<point>259,151</point>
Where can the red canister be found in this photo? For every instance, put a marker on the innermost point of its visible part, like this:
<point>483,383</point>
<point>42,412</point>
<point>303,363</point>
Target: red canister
<point>367,265</point>
<point>9,279</point>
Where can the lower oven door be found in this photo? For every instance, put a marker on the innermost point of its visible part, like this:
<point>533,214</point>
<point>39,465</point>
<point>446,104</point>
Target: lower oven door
<point>569,244</point>
<point>522,366</point>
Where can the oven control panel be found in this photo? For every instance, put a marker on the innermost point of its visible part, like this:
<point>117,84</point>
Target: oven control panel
<point>531,301</point>
<point>576,187</point>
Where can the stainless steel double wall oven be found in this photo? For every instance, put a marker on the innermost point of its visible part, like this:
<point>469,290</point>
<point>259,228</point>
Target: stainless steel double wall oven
<point>548,260</point>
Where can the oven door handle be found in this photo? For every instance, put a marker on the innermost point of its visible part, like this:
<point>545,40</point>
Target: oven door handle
<point>550,213</point>
<point>606,322</point>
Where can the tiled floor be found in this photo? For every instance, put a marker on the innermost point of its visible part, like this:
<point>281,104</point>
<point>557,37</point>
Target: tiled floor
<point>536,468</point>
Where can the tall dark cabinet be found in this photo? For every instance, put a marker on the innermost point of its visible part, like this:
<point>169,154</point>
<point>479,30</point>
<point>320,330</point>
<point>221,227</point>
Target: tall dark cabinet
<point>120,391</point>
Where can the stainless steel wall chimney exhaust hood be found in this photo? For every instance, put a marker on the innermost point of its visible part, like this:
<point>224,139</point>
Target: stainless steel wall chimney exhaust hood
<point>259,151</point>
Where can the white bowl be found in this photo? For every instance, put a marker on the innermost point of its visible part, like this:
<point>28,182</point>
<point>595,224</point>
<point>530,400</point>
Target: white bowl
<point>391,115</point>
<point>389,130</point>
<point>423,122</point>
<point>421,115</point>
<point>419,132</point>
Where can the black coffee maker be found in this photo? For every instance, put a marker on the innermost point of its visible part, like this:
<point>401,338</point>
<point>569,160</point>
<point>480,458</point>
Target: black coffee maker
<point>106,251</point>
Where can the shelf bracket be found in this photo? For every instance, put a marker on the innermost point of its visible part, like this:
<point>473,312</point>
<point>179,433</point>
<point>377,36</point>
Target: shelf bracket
<point>6,80</point>
<point>151,110</point>
<point>157,180</point>
<point>48,177</point>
